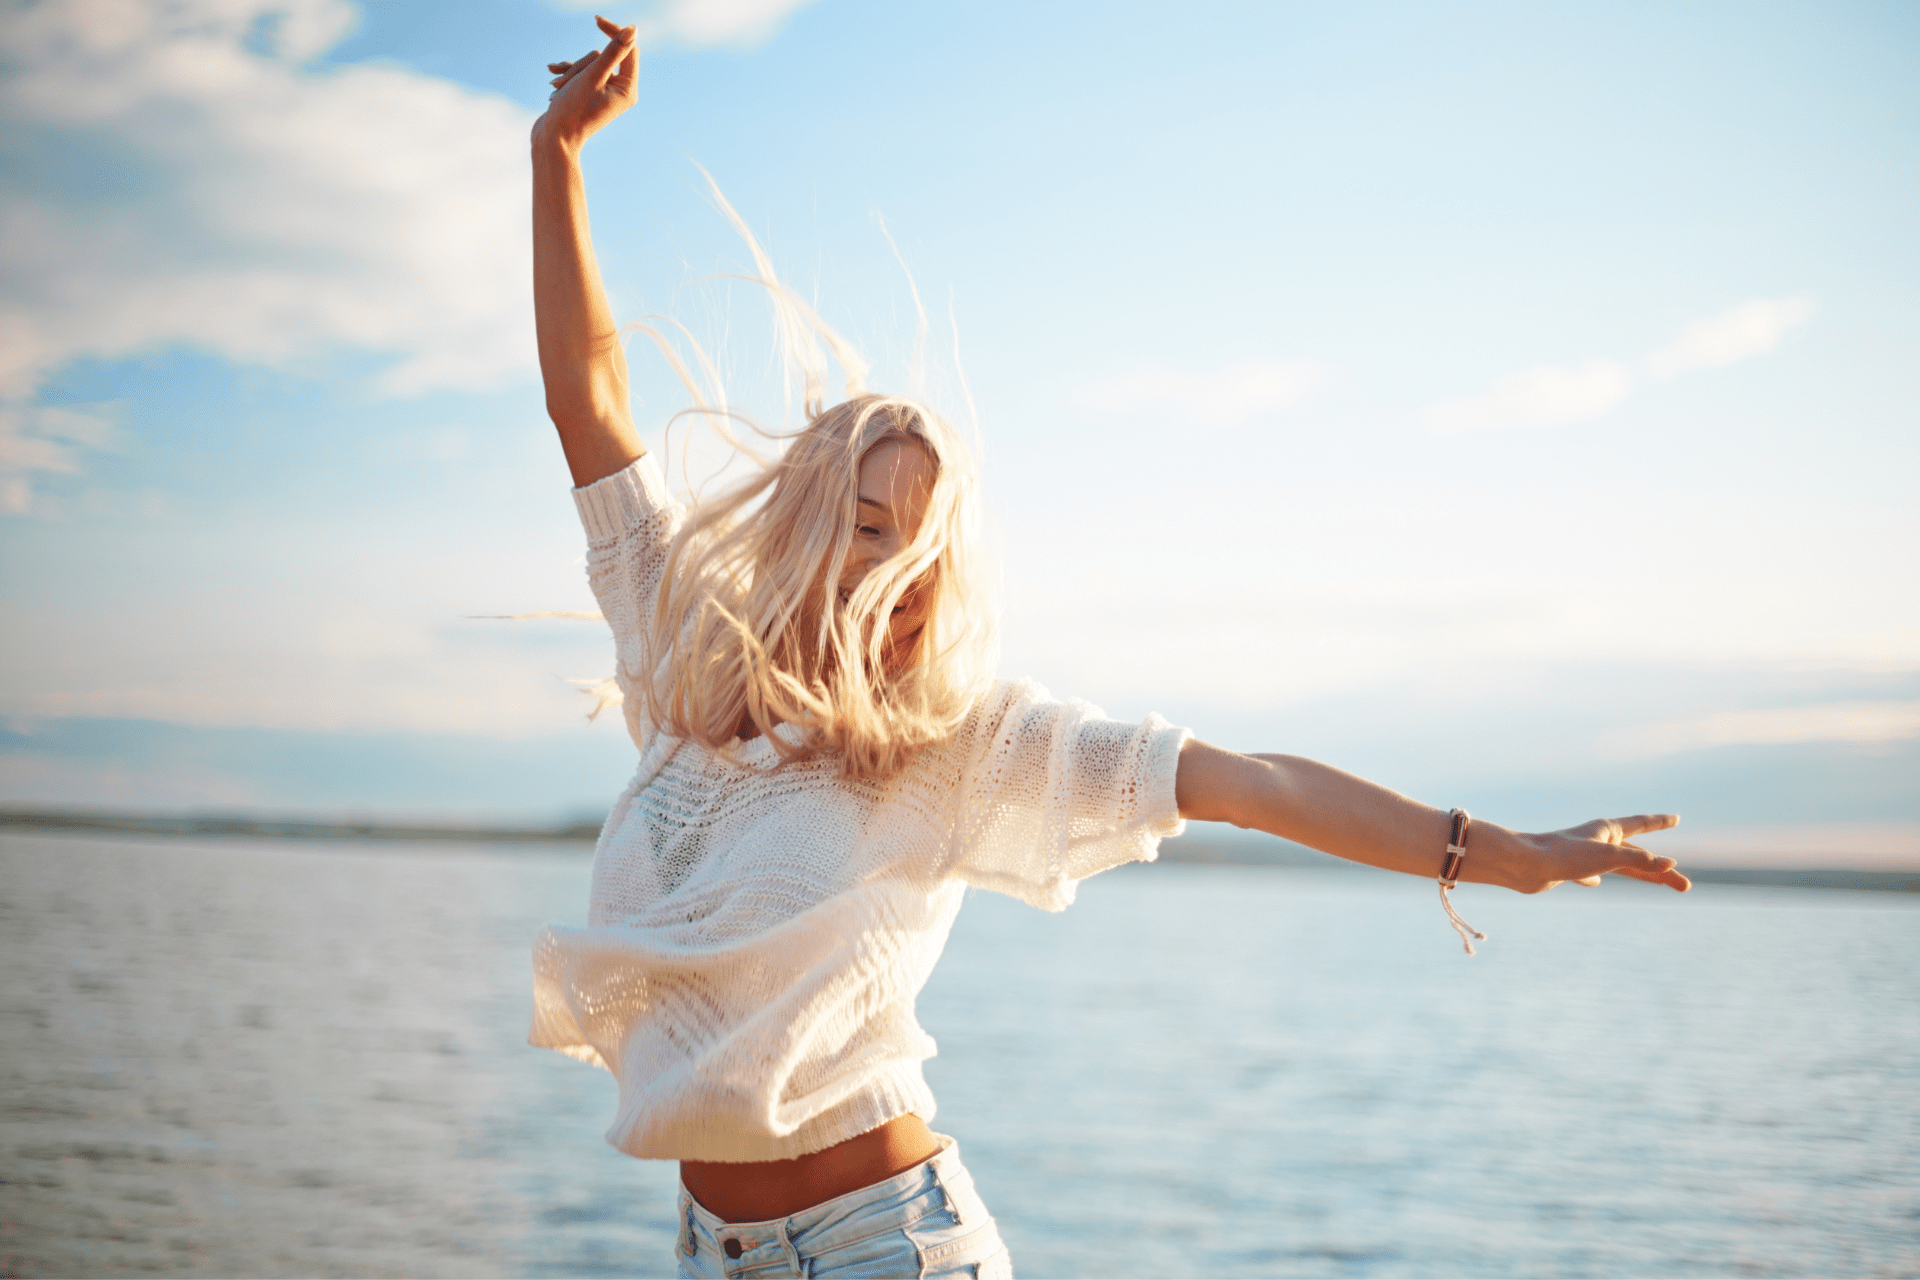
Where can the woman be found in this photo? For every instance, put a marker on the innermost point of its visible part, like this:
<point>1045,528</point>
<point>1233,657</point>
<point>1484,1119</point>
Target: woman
<point>826,763</point>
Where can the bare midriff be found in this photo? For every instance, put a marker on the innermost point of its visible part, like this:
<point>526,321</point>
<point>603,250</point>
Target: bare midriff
<point>756,1191</point>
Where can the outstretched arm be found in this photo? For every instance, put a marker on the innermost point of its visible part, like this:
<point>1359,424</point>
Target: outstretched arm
<point>581,361</point>
<point>1337,813</point>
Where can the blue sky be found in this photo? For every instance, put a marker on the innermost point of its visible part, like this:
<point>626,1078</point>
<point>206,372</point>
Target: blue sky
<point>1512,402</point>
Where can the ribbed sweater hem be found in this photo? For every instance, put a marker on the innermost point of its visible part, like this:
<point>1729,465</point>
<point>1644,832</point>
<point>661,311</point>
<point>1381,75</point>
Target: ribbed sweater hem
<point>891,1092</point>
<point>610,507</point>
<point>1162,801</point>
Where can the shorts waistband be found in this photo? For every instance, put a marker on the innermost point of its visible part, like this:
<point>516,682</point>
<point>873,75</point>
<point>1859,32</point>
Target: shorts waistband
<point>927,1220</point>
<point>944,1163</point>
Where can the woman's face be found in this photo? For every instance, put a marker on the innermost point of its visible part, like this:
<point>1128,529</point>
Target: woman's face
<point>896,481</point>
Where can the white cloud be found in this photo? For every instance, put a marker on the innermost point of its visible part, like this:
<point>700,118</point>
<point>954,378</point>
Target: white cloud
<point>1224,396</point>
<point>1552,395</point>
<point>1770,726</point>
<point>1751,329</point>
<point>46,438</point>
<point>701,23</point>
<point>1547,396</point>
<point>182,179</point>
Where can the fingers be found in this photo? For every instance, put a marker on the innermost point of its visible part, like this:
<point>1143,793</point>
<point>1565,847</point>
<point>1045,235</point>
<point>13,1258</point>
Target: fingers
<point>571,69</point>
<point>1669,876</point>
<point>1656,868</point>
<point>620,47</point>
<point>1621,830</point>
<point>1632,855</point>
<point>627,77</point>
<point>611,81</point>
<point>1640,864</point>
<point>1640,824</point>
<point>619,52</point>
<point>1601,850</point>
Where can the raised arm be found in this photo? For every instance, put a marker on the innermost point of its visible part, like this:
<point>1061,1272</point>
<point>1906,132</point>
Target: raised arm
<point>581,362</point>
<point>1337,813</point>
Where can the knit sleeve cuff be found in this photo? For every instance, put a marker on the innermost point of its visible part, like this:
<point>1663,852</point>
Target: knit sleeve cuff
<point>1160,803</point>
<point>611,507</point>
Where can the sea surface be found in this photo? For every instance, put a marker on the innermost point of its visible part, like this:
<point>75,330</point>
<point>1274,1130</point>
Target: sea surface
<point>222,1057</point>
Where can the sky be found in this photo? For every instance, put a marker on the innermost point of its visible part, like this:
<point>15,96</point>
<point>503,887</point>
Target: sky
<point>1515,403</point>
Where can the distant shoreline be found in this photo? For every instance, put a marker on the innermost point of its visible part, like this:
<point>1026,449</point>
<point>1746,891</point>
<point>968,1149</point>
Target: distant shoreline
<point>234,824</point>
<point>1202,850</point>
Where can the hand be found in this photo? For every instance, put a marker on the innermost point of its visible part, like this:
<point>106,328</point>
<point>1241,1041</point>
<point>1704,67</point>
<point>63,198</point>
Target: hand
<point>590,93</point>
<point>1604,846</point>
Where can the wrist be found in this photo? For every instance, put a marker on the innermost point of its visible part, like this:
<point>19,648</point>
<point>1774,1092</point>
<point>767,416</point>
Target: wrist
<point>551,149</point>
<point>1495,855</point>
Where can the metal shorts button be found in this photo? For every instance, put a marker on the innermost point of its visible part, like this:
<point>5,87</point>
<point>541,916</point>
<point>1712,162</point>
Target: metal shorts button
<point>733,1248</point>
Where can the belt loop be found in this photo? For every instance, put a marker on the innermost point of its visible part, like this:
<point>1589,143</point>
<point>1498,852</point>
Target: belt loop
<point>937,1166</point>
<point>793,1254</point>
<point>689,1240</point>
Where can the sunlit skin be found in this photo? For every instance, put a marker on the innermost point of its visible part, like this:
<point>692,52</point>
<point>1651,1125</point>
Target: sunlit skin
<point>1302,800</point>
<point>896,479</point>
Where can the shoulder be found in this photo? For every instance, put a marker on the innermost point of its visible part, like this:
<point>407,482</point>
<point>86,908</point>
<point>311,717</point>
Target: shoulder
<point>1009,700</point>
<point>1002,700</point>
<point>1009,719</point>
<point>1016,714</point>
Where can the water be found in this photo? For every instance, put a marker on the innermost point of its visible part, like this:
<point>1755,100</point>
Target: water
<point>290,1059</point>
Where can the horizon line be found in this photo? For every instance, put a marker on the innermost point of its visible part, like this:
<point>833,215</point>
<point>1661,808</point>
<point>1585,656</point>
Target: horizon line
<point>1236,849</point>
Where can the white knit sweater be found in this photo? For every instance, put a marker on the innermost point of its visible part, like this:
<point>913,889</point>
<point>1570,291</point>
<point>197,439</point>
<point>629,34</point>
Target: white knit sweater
<point>758,932</point>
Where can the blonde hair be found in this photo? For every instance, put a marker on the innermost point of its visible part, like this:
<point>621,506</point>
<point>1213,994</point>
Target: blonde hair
<point>749,626</point>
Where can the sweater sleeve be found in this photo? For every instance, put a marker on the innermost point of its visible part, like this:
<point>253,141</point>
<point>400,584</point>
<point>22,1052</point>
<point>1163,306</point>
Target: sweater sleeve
<point>630,520</point>
<point>1054,792</point>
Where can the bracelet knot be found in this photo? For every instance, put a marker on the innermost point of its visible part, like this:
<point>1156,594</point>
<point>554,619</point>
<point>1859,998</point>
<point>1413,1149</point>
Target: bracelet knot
<point>1450,879</point>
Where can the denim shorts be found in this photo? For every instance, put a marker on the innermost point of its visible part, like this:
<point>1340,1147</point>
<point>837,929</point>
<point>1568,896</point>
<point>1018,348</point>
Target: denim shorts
<point>928,1221</point>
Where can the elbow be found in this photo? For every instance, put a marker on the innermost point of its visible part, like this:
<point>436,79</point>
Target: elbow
<point>1216,785</point>
<point>584,413</point>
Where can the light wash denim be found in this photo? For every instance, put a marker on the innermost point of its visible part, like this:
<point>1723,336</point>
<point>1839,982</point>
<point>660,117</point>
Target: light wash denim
<point>928,1221</point>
